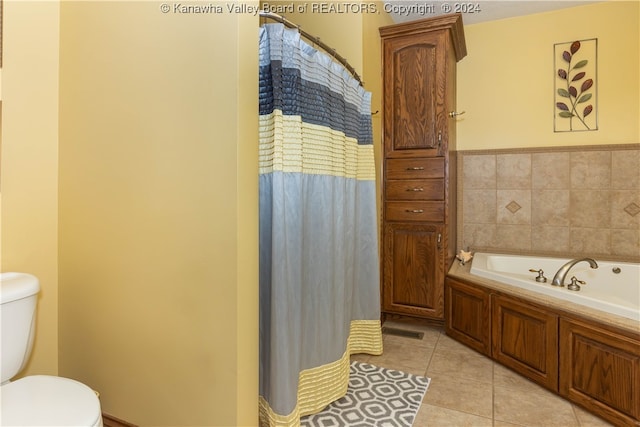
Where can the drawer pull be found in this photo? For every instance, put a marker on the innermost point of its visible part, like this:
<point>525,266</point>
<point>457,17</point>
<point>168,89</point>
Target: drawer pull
<point>416,168</point>
<point>416,211</point>
<point>415,189</point>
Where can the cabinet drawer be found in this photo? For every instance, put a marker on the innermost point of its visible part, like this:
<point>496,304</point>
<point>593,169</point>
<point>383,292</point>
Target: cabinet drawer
<point>419,168</point>
<point>415,189</point>
<point>414,211</point>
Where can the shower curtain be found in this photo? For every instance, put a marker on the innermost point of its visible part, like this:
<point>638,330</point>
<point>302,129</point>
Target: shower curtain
<point>319,271</point>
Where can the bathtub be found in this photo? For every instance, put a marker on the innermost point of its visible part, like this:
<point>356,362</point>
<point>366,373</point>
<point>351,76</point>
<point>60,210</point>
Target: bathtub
<point>614,287</point>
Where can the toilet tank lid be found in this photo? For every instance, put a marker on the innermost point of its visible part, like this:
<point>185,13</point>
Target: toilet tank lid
<point>15,286</point>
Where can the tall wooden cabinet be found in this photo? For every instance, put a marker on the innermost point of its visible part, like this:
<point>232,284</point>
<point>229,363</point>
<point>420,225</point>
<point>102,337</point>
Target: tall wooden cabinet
<point>419,212</point>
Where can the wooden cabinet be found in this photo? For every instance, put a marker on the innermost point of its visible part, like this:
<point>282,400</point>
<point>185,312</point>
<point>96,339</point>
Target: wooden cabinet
<point>600,370</point>
<point>525,338</point>
<point>516,333</point>
<point>467,315</point>
<point>419,214</point>
<point>413,266</point>
<point>594,365</point>
<point>419,76</point>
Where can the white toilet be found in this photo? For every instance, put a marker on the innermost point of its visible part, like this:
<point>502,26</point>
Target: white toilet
<point>38,400</point>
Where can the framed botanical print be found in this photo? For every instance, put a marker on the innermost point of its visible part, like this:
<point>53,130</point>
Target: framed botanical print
<point>576,99</point>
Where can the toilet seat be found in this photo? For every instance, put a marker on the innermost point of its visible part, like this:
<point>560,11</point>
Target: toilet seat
<point>43,400</point>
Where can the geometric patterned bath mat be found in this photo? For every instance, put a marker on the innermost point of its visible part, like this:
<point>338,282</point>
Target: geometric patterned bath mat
<point>377,397</point>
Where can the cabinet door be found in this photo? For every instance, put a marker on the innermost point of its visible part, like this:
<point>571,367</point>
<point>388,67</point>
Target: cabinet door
<point>414,94</point>
<point>525,339</point>
<point>413,270</point>
<point>601,370</point>
<point>467,314</point>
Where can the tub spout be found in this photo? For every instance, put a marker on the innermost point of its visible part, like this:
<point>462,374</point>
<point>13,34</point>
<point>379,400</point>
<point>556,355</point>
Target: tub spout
<point>558,279</point>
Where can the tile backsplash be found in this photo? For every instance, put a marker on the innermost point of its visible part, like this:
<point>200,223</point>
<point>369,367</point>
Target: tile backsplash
<point>568,201</point>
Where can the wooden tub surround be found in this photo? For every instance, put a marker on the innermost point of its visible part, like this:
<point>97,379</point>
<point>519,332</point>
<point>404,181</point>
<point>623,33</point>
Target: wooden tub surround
<point>587,356</point>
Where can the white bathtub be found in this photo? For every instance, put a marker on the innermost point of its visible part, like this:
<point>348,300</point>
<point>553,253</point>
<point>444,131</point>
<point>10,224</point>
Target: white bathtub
<point>606,290</point>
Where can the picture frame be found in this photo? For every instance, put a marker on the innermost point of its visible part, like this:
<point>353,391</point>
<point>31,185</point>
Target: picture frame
<point>575,86</point>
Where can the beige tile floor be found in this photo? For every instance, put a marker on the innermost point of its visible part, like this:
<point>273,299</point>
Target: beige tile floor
<point>469,389</point>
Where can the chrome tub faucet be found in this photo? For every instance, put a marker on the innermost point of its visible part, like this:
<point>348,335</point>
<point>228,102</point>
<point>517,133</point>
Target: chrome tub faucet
<point>558,279</point>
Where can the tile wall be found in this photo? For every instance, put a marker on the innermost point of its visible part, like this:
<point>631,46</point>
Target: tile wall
<point>551,201</point>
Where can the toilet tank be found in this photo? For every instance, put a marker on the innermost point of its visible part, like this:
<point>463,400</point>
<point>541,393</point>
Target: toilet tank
<point>18,297</point>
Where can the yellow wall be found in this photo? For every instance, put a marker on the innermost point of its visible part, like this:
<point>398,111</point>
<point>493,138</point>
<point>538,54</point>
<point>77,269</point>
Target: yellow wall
<point>372,77</point>
<point>506,83</point>
<point>147,246</point>
<point>342,31</point>
<point>29,167</point>
<point>158,211</point>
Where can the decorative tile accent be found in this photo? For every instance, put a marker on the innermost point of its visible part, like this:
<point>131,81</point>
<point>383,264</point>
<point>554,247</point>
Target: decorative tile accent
<point>632,209</point>
<point>564,201</point>
<point>625,207</point>
<point>513,207</point>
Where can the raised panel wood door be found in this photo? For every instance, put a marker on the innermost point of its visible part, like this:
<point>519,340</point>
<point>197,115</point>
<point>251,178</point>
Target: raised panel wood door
<point>525,338</point>
<point>467,315</point>
<point>412,270</point>
<point>414,94</point>
<point>600,369</point>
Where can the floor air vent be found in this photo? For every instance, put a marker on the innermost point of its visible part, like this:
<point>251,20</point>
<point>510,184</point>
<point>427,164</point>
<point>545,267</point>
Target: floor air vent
<point>402,333</point>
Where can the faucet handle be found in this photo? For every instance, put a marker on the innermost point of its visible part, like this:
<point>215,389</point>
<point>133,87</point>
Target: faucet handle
<point>573,286</point>
<point>540,277</point>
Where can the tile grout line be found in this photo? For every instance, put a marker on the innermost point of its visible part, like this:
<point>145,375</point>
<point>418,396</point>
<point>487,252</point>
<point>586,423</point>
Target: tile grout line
<point>493,394</point>
<point>435,345</point>
<point>452,409</point>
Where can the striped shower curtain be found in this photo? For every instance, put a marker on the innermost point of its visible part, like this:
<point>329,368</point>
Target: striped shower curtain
<point>319,271</point>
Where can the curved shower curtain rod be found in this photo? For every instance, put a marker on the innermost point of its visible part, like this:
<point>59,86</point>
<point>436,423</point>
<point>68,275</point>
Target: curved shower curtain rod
<point>316,40</point>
